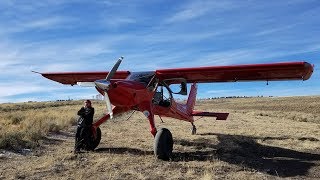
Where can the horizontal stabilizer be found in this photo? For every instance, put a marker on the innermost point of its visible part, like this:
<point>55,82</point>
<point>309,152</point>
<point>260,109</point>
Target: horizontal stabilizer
<point>219,116</point>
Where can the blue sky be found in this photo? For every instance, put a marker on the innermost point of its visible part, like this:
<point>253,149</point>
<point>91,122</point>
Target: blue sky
<point>78,35</point>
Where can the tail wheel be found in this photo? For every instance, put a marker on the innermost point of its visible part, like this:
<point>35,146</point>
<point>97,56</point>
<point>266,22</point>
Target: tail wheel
<point>96,141</point>
<point>194,129</point>
<point>163,144</point>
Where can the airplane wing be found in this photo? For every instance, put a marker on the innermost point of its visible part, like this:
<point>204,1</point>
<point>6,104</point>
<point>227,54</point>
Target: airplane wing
<point>73,77</point>
<point>251,72</point>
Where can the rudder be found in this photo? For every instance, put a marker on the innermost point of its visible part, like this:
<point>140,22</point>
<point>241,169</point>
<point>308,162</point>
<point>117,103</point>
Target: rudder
<point>192,98</point>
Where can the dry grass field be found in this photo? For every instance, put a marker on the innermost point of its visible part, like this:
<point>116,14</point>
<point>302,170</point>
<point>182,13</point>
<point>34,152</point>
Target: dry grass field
<point>264,138</point>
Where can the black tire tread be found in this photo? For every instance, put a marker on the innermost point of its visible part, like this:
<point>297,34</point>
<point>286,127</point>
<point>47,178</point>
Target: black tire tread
<point>163,144</point>
<point>96,141</point>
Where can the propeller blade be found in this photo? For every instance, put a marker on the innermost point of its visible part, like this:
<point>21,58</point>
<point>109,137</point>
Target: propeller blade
<point>104,84</point>
<point>108,103</point>
<point>114,69</point>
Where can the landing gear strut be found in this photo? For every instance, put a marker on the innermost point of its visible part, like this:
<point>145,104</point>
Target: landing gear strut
<point>194,129</point>
<point>163,144</point>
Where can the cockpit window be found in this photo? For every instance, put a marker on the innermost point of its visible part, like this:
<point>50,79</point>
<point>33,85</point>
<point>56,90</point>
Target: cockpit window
<point>143,77</point>
<point>162,96</point>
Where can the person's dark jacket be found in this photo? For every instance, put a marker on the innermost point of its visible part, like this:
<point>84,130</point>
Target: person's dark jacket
<point>86,116</point>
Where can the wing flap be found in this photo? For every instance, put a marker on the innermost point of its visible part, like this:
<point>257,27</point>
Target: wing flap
<point>73,78</point>
<point>252,72</point>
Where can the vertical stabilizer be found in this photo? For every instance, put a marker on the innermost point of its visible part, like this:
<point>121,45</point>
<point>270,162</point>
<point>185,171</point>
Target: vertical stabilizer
<point>192,98</point>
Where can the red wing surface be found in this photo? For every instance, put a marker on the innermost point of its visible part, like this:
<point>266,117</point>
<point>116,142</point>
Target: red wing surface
<point>74,77</point>
<point>251,72</point>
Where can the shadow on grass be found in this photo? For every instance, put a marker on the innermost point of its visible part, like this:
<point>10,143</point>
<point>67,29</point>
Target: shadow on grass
<point>56,137</point>
<point>245,151</point>
<point>238,150</point>
<point>121,150</point>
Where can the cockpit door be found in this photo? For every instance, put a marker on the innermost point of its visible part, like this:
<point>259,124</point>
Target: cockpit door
<point>162,96</point>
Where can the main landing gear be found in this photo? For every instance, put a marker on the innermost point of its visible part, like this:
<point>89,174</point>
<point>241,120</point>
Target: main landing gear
<point>163,144</point>
<point>94,139</point>
<point>163,141</point>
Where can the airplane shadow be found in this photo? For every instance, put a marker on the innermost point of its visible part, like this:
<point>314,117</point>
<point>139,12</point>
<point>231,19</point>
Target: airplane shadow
<point>238,150</point>
<point>245,151</point>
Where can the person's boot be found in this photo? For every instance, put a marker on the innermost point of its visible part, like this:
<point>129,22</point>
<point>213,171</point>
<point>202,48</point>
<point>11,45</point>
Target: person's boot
<point>77,146</point>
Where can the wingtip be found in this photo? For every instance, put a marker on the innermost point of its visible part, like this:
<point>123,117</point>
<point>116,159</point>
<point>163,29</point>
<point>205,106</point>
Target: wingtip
<point>309,69</point>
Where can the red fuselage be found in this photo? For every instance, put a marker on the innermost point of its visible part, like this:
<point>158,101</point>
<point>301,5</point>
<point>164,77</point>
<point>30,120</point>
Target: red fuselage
<point>131,94</point>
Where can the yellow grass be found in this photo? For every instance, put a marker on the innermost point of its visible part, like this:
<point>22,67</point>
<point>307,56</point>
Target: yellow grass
<point>23,125</point>
<point>264,138</point>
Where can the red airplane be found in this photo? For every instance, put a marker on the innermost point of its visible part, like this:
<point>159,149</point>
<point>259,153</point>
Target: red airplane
<point>152,93</point>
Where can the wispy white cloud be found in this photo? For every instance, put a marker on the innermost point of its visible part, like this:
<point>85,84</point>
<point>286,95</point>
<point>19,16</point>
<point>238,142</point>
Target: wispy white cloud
<point>180,36</point>
<point>196,9</point>
<point>228,57</point>
<point>37,24</point>
<point>32,6</point>
<point>66,53</point>
<point>116,22</point>
<point>275,30</point>
<point>46,23</point>
<point>19,87</point>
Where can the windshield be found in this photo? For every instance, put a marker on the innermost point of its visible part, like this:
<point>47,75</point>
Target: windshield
<point>143,77</point>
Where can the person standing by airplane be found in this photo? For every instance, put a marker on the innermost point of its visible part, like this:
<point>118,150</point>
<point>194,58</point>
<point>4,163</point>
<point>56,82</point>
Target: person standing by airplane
<point>82,139</point>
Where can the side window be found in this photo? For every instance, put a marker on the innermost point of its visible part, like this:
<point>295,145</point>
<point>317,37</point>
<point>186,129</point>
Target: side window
<point>162,96</point>
<point>177,85</point>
